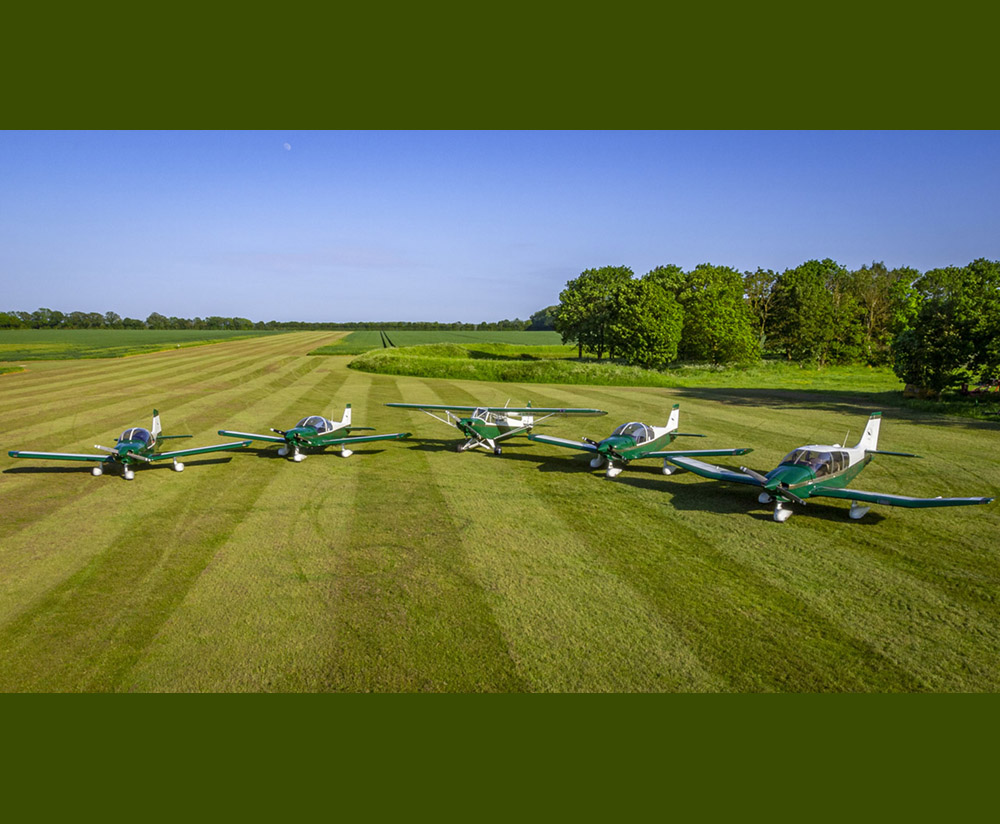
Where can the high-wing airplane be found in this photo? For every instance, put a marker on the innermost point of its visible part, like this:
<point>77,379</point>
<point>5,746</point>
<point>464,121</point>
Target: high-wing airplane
<point>135,446</point>
<point>487,426</point>
<point>317,432</point>
<point>632,441</point>
<point>822,470</point>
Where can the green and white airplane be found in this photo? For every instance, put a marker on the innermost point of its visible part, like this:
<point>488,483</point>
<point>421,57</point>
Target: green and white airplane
<point>635,440</point>
<point>488,426</point>
<point>135,446</point>
<point>317,432</point>
<point>822,471</point>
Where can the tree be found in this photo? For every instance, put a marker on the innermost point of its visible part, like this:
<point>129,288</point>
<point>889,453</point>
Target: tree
<point>646,325</point>
<point>886,300</point>
<point>759,290</point>
<point>816,316</point>
<point>157,321</point>
<point>953,336</point>
<point>10,320</point>
<point>718,326</point>
<point>112,320</point>
<point>586,308</point>
<point>543,319</point>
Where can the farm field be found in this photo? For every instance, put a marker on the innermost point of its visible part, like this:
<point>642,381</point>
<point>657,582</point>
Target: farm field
<point>409,567</point>
<point>354,343</point>
<point>59,344</point>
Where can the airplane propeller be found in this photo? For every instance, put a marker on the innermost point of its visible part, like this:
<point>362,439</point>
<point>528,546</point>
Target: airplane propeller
<point>776,490</point>
<point>135,455</point>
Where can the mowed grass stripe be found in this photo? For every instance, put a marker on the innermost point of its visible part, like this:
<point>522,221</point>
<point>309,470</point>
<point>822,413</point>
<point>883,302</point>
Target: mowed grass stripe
<point>258,618</point>
<point>43,485</point>
<point>570,624</point>
<point>409,615</point>
<point>183,366</point>
<point>37,553</point>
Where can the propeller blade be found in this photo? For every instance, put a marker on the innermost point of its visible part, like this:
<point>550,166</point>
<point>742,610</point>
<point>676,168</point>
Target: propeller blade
<point>279,431</point>
<point>105,449</point>
<point>139,457</point>
<point>588,440</point>
<point>761,479</point>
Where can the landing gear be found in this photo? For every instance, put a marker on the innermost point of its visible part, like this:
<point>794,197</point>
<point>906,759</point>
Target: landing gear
<point>129,474</point>
<point>764,498</point>
<point>178,466</point>
<point>670,469</point>
<point>597,462</point>
<point>298,457</point>
<point>97,472</point>
<point>858,512</point>
<point>282,451</point>
<point>467,445</point>
<point>613,471</point>
<point>497,450</point>
<point>345,452</point>
<point>781,514</point>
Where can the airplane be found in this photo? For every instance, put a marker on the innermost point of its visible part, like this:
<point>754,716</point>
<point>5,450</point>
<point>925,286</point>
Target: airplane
<point>317,432</point>
<point>635,440</point>
<point>822,471</point>
<point>487,426</point>
<point>136,445</point>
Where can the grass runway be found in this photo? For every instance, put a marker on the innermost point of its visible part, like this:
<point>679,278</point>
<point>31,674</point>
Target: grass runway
<point>408,567</point>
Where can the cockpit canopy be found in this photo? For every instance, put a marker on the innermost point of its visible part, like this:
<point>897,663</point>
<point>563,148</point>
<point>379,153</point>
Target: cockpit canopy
<point>317,422</point>
<point>635,430</point>
<point>819,461</point>
<point>136,435</point>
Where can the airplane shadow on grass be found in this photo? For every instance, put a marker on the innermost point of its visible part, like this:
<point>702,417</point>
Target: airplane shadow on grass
<point>86,467</point>
<point>833,400</point>
<point>722,499</point>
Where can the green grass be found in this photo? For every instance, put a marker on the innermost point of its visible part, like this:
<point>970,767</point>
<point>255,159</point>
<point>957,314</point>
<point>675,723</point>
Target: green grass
<point>7,369</point>
<point>357,342</point>
<point>409,567</point>
<point>63,344</point>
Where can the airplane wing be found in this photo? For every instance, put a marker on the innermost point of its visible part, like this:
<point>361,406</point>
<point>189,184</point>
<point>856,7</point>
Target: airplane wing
<point>359,438</point>
<point>60,456</point>
<point>162,456</point>
<point>894,500</point>
<point>586,447</point>
<point>684,453</point>
<point>707,470</point>
<point>526,410</point>
<point>251,436</point>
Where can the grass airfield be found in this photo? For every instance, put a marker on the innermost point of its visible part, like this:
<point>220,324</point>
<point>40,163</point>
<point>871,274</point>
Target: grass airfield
<point>409,567</point>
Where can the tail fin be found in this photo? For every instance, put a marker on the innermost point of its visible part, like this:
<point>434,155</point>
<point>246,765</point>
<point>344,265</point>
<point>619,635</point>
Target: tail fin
<point>675,418</point>
<point>155,429</point>
<point>347,416</point>
<point>869,440</point>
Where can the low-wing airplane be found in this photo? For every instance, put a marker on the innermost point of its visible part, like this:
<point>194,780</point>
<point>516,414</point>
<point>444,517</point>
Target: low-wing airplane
<point>822,470</point>
<point>135,446</point>
<point>487,426</point>
<point>317,432</point>
<point>635,440</point>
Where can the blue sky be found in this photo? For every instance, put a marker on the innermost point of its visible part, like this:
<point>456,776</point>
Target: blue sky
<point>462,226</point>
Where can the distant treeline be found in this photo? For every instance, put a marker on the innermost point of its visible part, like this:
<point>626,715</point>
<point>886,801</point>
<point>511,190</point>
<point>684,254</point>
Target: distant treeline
<point>54,319</point>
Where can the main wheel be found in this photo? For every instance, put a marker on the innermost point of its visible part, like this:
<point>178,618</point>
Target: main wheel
<point>498,451</point>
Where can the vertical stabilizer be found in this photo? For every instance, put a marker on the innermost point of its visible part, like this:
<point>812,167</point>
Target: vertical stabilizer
<point>155,429</point>
<point>675,418</point>
<point>869,440</point>
<point>347,415</point>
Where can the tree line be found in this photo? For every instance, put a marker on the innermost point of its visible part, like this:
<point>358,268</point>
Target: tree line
<point>935,329</point>
<point>54,319</point>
